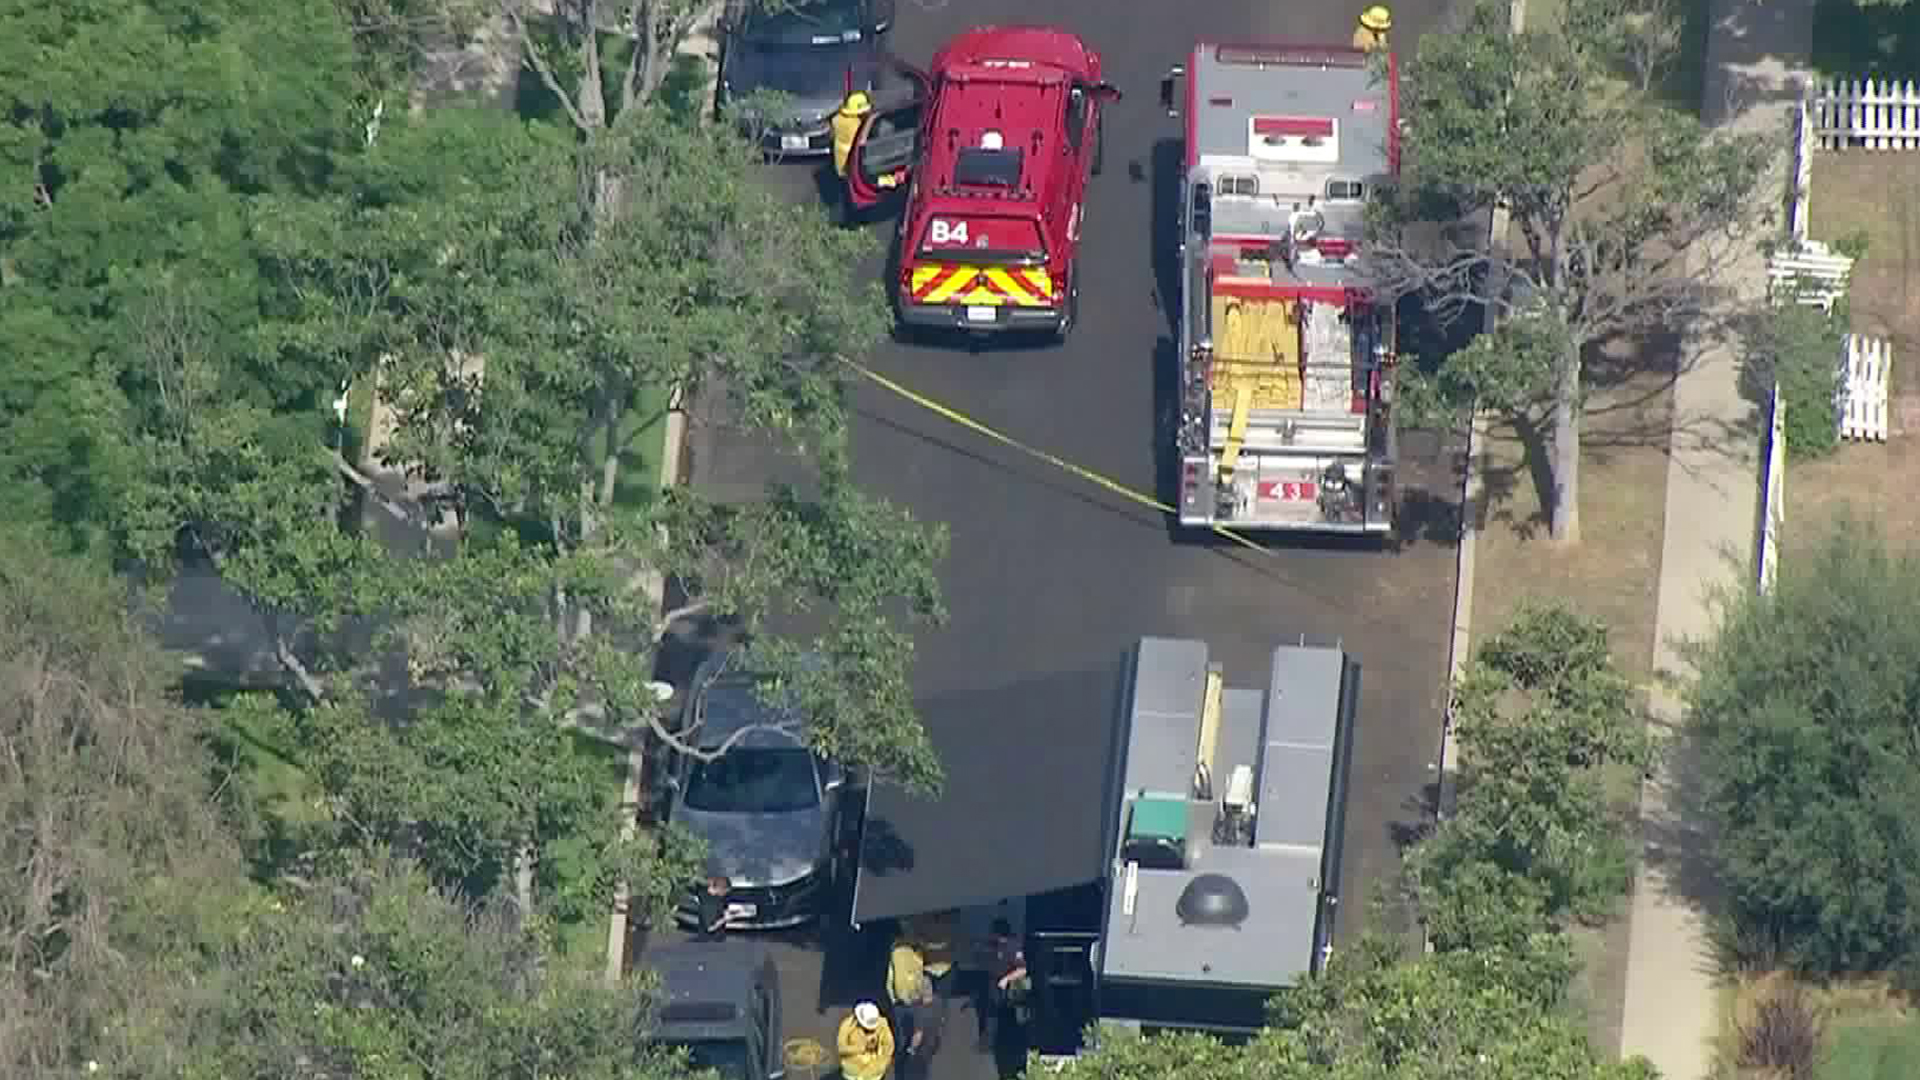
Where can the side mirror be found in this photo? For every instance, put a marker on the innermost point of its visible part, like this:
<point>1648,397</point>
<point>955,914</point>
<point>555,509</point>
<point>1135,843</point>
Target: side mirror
<point>1168,86</point>
<point>1106,91</point>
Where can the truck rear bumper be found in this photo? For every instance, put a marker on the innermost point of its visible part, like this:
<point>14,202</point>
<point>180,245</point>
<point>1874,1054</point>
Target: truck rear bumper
<point>1349,528</point>
<point>1002,319</point>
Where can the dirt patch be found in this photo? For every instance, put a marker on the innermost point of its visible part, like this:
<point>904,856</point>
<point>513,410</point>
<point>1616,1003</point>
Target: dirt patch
<point>1877,193</point>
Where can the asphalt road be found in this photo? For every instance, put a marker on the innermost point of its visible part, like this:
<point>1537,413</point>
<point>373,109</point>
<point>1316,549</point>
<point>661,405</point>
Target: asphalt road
<point>1050,580</point>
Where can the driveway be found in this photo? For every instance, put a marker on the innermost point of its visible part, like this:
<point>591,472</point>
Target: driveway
<point>1049,579</point>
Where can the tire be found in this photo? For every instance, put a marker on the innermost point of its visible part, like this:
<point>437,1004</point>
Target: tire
<point>1100,143</point>
<point>1065,329</point>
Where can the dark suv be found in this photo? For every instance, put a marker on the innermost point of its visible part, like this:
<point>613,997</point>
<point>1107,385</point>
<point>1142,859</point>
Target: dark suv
<point>721,1002</point>
<point>812,53</point>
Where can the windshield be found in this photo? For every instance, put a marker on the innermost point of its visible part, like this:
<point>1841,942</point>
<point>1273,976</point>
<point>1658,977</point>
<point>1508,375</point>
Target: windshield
<point>803,22</point>
<point>754,781</point>
<point>728,1057</point>
<point>982,239</point>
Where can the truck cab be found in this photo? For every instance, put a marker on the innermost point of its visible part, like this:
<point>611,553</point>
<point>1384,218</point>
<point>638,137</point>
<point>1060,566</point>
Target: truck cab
<point>994,151</point>
<point>720,1002</point>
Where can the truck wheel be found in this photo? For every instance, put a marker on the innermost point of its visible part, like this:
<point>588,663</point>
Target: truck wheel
<point>1100,143</point>
<point>1071,316</point>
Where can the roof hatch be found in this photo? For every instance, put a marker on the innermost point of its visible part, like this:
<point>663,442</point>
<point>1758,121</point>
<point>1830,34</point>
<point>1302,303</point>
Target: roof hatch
<point>1294,139</point>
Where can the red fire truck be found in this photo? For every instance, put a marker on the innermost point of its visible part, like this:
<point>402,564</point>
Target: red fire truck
<point>994,151</point>
<point>1286,358</point>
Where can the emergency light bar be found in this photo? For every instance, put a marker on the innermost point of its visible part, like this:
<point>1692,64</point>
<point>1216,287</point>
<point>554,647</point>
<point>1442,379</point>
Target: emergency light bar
<point>1291,56</point>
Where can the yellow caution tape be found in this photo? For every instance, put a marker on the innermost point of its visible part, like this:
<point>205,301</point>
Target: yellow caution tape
<point>1088,475</point>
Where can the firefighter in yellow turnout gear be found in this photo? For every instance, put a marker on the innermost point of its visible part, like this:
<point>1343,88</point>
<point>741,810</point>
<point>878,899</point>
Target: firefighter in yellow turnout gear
<point>846,124</point>
<point>1372,31</point>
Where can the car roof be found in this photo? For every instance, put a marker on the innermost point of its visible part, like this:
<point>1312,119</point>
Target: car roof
<point>703,986</point>
<point>730,701</point>
<point>1025,107</point>
<point>1046,45</point>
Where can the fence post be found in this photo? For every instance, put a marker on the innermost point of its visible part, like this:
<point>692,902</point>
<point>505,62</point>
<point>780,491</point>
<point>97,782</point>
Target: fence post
<point>1773,501</point>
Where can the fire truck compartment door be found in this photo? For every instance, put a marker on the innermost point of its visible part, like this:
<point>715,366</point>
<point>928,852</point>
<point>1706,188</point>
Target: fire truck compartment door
<point>884,150</point>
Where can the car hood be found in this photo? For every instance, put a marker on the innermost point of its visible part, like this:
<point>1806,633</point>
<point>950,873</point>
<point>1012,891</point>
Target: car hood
<point>814,78</point>
<point>759,849</point>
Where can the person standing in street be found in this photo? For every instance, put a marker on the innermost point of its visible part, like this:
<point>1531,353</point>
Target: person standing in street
<point>919,1023</point>
<point>865,1044</point>
<point>1005,990</point>
<point>1372,32</point>
<point>845,125</point>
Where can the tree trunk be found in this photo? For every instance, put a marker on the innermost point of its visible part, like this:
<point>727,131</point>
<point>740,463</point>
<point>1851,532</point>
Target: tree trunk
<point>1564,519</point>
<point>523,883</point>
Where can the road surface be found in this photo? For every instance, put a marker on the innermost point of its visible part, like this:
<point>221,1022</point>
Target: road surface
<point>1050,580</point>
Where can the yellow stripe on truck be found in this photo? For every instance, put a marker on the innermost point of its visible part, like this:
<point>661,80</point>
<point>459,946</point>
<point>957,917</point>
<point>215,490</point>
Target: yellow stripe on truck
<point>959,279</point>
<point>983,287</point>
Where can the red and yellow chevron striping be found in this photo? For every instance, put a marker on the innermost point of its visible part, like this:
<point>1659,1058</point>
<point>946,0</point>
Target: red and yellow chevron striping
<point>980,286</point>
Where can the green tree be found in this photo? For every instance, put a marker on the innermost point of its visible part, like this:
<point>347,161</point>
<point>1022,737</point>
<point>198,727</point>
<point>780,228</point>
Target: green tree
<point>1625,212</point>
<point>1375,1015</point>
<point>1542,717</point>
<point>520,324</point>
<point>1805,710</point>
<point>122,882</point>
<point>374,974</point>
<point>137,134</point>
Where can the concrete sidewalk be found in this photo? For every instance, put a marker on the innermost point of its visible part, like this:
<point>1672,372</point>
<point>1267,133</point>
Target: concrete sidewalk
<point>1756,68</point>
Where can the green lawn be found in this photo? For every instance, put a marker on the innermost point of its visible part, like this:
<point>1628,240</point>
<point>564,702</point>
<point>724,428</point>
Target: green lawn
<point>586,937</point>
<point>1851,41</point>
<point>1878,1049</point>
<point>1681,82</point>
<point>639,442</point>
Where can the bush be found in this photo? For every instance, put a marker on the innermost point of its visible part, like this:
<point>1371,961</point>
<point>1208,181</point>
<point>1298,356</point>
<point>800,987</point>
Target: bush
<point>1782,1037</point>
<point>1540,715</point>
<point>1805,711</point>
<point>1798,347</point>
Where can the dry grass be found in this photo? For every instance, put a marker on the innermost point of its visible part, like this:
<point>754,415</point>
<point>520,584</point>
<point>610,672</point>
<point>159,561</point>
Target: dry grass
<point>1874,481</point>
<point>1877,193</point>
<point>1613,573</point>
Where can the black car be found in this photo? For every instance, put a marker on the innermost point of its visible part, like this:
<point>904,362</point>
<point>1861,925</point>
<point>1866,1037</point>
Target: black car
<point>810,54</point>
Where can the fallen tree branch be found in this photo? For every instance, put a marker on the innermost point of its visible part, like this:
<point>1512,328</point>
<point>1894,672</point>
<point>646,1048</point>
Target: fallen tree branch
<point>365,483</point>
<point>292,662</point>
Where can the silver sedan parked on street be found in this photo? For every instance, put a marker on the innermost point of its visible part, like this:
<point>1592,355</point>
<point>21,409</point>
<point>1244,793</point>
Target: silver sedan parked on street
<point>769,809</point>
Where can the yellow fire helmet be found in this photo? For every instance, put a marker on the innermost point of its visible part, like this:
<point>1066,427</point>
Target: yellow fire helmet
<point>1377,19</point>
<point>856,104</point>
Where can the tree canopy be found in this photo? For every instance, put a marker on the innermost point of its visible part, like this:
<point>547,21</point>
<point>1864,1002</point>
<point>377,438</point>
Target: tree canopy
<point>216,244</point>
<point>1623,211</point>
<point>1805,710</point>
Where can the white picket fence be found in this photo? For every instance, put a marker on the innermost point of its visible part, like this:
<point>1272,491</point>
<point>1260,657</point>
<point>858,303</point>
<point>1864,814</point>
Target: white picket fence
<point>1867,114</point>
<point>1865,364</point>
<point>1809,273</point>
<point>1797,219</point>
<point>1773,499</point>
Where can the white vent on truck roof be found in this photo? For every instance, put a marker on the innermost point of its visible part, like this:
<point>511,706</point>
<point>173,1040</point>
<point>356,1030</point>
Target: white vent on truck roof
<point>1293,139</point>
